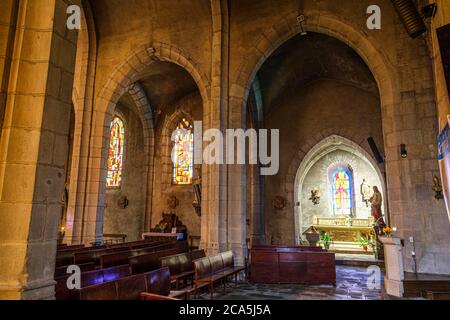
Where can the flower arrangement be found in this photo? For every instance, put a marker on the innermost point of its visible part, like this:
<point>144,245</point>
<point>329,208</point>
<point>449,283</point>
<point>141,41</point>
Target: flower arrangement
<point>387,231</point>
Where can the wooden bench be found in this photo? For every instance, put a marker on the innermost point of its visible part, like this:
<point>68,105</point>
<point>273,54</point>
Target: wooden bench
<point>154,285</point>
<point>66,257</point>
<point>85,267</point>
<point>95,255</point>
<point>110,260</point>
<point>211,270</point>
<point>152,261</point>
<point>181,266</point>
<point>68,248</point>
<point>88,279</point>
<point>433,295</point>
<point>115,237</point>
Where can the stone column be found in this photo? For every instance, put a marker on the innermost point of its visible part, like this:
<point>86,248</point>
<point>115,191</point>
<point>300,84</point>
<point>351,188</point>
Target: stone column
<point>83,94</point>
<point>395,274</point>
<point>34,148</point>
<point>214,204</point>
<point>258,232</point>
<point>8,16</point>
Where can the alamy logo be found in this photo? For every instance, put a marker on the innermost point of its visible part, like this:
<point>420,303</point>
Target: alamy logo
<point>232,148</point>
<point>74,280</point>
<point>374,21</point>
<point>74,19</point>
<point>374,278</point>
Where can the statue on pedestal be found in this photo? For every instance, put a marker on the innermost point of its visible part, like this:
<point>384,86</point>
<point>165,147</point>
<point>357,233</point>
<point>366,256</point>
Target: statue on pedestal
<point>365,192</point>
<point>376,201</point>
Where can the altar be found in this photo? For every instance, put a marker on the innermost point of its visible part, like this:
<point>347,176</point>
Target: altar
<point>348,235</point>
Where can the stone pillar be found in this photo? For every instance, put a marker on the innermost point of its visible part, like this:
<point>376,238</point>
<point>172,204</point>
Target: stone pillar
<point>258,233</point>
<point>8,16</point>
<point>83,94</point>
<point>214,236</point>
<point>395,274</point>
<point>34,148</point>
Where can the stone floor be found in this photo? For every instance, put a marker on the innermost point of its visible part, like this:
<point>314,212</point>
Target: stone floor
<point>351,285</point>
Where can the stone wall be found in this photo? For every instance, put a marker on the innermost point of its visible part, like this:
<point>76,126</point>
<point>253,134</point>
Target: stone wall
<point>318,177</point>
<point>34,148</point>
<point>318,110</point>
<point>191,108</point>
<point>442,95</point>
<point>130,220</point>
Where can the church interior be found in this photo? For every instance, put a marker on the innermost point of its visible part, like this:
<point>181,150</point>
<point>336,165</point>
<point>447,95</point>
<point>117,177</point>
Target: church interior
<point>103,196</point>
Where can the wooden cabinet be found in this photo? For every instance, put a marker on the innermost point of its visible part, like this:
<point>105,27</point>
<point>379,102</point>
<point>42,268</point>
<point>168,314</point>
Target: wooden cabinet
<point>297,265</point>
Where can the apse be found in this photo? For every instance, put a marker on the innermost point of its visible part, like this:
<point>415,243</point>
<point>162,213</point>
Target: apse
<point>334,187</point>
<point>311,88</point>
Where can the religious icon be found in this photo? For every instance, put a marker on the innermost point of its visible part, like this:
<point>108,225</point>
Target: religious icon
<point>279,203</point>
<point>315,196</point>
<point>172,202</point>
<point>437,188</point>
<point>366,192</point>
<point>341,190</point>
<point>376,200</point>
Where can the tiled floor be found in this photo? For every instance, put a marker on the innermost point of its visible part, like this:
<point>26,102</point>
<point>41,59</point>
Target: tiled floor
<point>351,285</point>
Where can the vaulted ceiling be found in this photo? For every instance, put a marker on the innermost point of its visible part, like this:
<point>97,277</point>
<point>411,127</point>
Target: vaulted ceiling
<point>305,59</point>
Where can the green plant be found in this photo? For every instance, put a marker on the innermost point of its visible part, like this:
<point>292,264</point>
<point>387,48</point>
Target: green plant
<point>364,243</point>
<point>326,240</point>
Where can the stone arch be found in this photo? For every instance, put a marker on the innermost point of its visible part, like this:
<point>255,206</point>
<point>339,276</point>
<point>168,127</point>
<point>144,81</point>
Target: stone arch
<point>305,160</point>
<point>166,142</point>
<point>145,111</point>
<point>82,96</point>
<point>326,23</point>
<point>120,81</point>
<point>162,180</point>
<point>320,22</point>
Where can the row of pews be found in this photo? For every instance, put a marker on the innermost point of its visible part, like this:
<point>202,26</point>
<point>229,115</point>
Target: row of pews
<point>142,270</point>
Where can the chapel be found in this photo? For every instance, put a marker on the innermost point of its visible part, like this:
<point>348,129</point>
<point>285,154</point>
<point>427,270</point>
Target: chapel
<point>159,149</point>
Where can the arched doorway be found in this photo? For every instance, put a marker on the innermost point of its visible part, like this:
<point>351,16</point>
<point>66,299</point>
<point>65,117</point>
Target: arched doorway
<point>335,158</point>
<point>310,88</point>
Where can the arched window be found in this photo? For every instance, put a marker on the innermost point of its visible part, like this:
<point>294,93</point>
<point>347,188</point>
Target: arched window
<point>115,155</point>
<point>183,153</point>
<point>342,190</point>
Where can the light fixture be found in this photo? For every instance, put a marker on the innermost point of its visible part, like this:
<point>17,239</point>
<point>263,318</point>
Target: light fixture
<point>430,10</point>
<point>300,19</point>
<point>410,17</point>
<point>403,151</point>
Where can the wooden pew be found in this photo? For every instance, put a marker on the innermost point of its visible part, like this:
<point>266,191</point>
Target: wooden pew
<point>62,270</point>
<point>154,285</point>
<point>66,257</point>
<point>181,266</point>
<point>68,248</point>
<point>95,255</point>
<point>434,295</point>
<point>88,279</point>
<point>110,260</point>
<point>211,270</point>
<point>147,262</point>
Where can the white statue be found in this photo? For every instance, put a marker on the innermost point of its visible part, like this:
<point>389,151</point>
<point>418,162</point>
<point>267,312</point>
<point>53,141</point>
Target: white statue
<point>366,192</point>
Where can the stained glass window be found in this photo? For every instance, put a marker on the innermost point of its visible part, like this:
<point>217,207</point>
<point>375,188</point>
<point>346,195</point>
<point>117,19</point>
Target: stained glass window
<point>183,157</point>
<point>115,155</point>
<point>342,191</point>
